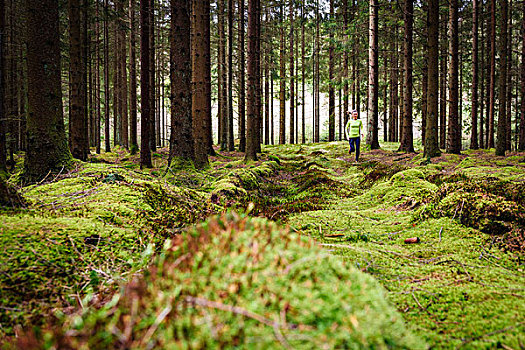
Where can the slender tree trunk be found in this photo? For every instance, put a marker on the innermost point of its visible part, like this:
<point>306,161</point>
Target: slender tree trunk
<point>133,144</point>
<point>303,76</point>
<point>152,98</point>
<point>47,148</point>
<point>181,138</point>
<point>331,91</point>
<point>424,88</point>
<point>508,144</point>
<point>502,118</point>
<point>117,110</point>
<point>344,10</point>
<point>407,138</point>
<point>521,143</point>
<point>231,146</point>
<point>443,88</point>
<point>282,84</point>
<point>474,130</point>
<point>453,142</point>
<point>145,81</point>
<point>242,84</point>
<point>252,120</point>
<point>124,132</point>
<point>373,75</point>
<point>492,87</point>
<point>106,79</point>
<point>201,82</point>
<point>292,72</point>
<point>272,125</point>
<point>483,84</point>
<point>316,74</point>
<point>267,98</point>
<point>3,152</point>
<point>431,138</point>
<point>78,138</point>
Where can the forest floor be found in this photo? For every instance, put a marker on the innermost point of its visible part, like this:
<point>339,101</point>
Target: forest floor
<point>461,285</point>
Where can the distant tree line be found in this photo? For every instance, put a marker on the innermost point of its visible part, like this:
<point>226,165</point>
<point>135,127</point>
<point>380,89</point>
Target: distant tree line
<point>82,76</point>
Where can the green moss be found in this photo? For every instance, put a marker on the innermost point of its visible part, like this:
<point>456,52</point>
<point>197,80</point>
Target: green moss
<point>273,277</point>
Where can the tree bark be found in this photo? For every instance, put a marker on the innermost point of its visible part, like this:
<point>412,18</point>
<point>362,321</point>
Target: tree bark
<point>47,148</point>
<point>431,138</point>
<point>181,138</point>
<point>292,72</point>
<point>282,83</point>
<point>242,83</point>
<point>106,79</point>
<point>145,81</point>
<point>492,92</point>
<point>3,152</point>
<point>252,120</point>
<point>331,91</point>
<point>133,145</point>
<point>454,139</point>
<point>201,82</point>
<point>521,143</point>
<point>231,145</point>
<point>221,87</point>
<point>154,132</point>
<point>303,76</point>
<point>474,130</point>
<point>78,138</point>
<point>373,75</point>
<point>407,138</point>
<point>502,117</point>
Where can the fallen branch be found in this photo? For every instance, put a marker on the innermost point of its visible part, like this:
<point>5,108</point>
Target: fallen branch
<point>470,340</point>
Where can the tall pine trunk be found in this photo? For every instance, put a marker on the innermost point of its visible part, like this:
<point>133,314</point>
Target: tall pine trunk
<point>431,138</point>
<point>331,91</point>
<point>492,86</point>
<point>373,77</point>
<point>474,131</point>
<point>502,117</point>
<point>201,82</point>
<point>252,119</point>
<point>78,138</point>
<point>282,83</point>
<point>133,145</point>
<point>242,83</point>
<point>47,148</point>
<point>521,142</point>
<point>231,146</point>
<point>181,138</point>
<point>292,81</point>
<point>454,135</point>
<point>145,81</point>
<point>407,138</point>
<point>3,153</point>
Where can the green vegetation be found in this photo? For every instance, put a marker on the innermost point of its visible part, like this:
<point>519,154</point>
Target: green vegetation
<point>105,223</point>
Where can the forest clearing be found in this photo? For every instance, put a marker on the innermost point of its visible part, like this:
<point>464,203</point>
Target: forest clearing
<point>85,232</point>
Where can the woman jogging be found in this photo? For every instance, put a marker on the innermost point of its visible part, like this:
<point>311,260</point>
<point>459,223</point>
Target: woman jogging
<point>353,130</point>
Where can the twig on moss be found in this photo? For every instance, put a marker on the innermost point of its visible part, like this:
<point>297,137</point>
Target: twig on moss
<point>440,230</point>
<point>153,328</point>
<point>503,330</point>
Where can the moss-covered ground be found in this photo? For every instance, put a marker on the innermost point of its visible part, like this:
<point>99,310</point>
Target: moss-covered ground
<point>87,231</point>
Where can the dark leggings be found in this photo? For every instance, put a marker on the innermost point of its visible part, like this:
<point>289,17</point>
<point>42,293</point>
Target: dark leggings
<point>354,146</point>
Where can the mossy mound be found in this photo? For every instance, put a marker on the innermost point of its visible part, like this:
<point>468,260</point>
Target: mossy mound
<point>236,282</point>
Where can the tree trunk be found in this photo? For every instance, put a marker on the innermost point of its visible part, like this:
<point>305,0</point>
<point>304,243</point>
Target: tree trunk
<point>331,91</point>
<point>3,153</point>
<point>317,50</point>
<point>267,97</point>
<point>222,87</point>
<point>344,10</point>
<point>242,84</point>
<point>303,76</point>
<point>145,81</point>
<point>231,145</point>
<point>292,81</point>
<point>106,78</point>
<point>124,124</point>
<point>454,140</point>
<point>492,86</point>
<point>152,99</point>
<point>181,137</point>
<point>502,117</point>
<point>407,138</point>
<point>482,80</point>
<point>431,138</point>
<point>443,88</point>
<point>282,83</point>
<point>78,138</point>
<point>47,148</point>
<point>424,84</point>
<point>373,75</point>
<point>201,82</point>
<point>474,130</point>
<point>252,120</point>
<point>521,143</point>
<point>508,144</point>
<point>133,145</point>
